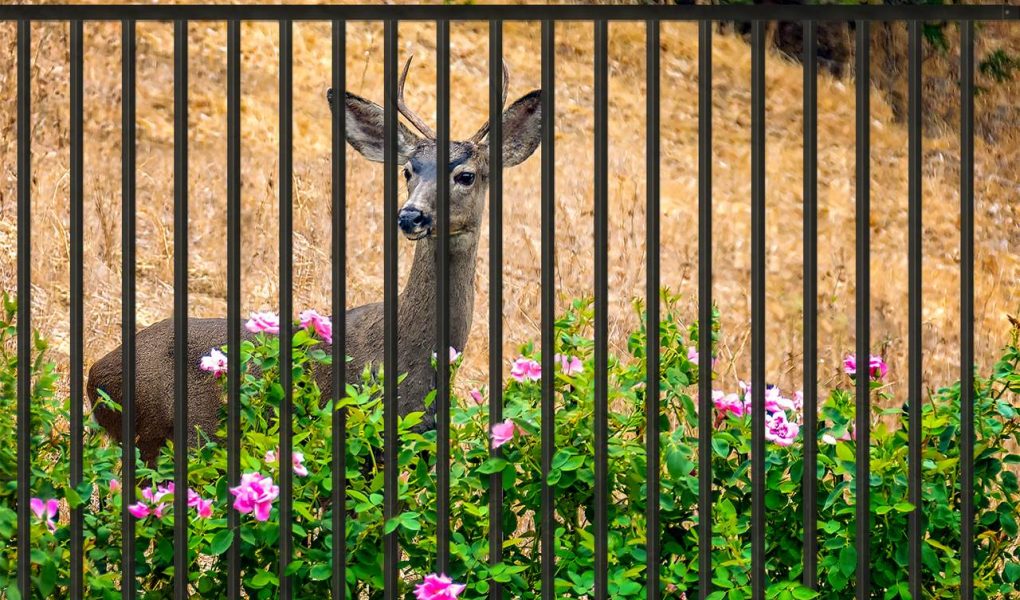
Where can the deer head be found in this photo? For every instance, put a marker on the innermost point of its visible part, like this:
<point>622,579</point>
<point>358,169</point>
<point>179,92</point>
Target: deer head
<point>416,155</point>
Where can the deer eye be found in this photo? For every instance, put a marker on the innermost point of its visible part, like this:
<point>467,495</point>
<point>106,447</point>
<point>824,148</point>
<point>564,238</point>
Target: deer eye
<point>407,174</point>
<point>465,178</point>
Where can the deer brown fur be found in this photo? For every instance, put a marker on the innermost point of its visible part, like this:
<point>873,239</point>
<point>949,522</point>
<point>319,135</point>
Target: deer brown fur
<point>469,170</point>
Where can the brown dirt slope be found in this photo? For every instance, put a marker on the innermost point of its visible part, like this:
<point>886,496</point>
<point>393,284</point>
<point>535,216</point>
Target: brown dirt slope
<point>997,186</point>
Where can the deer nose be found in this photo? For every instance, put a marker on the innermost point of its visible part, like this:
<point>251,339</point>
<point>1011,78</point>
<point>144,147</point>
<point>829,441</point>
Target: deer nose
<point>412,220</point>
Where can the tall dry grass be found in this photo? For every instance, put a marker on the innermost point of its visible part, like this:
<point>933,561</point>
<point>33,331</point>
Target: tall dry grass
<point>997,187</point>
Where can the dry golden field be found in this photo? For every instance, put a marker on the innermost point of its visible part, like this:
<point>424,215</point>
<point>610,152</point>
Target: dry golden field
<point>997,187</point>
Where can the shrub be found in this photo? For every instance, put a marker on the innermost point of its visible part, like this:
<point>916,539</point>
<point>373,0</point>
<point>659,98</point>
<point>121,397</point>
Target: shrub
<point>996,490</point>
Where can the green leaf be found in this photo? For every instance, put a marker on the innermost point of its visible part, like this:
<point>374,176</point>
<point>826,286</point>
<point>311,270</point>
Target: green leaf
<point>220,542</point>
<point>848,560</point>
<point>320,572</point>
<point>493,465</point>
<point>72,497</point>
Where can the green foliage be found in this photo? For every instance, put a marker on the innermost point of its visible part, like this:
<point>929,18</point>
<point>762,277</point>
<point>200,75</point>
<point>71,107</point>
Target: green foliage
<point>519,466</point>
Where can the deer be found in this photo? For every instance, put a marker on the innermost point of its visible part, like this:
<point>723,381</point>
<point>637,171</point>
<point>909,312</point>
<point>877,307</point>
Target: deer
<point>416,328</point>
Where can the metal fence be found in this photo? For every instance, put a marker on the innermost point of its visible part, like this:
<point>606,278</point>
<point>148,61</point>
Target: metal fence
<point>966,16</point>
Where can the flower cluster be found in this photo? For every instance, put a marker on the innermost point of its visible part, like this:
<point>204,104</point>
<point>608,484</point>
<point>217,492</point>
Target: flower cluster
<point>268,322</point>
<point>438,587</point>
<point>153,504</point>
<point>780,412</point>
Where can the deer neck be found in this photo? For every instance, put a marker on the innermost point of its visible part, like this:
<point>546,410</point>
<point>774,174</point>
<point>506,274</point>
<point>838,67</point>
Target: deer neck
<point>417,303</point>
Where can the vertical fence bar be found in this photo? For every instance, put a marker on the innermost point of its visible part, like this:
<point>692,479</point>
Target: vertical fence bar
<point>914,267</point>
<point>495,289</point>
<point>24,305</point>
<point>128,306</point>
<point>391,547</point>
<point>181,556</point>
<point>443,296</point>
<point>652,343</point>
<point>810,477</point>
<point>704,309</point>
<point>601,524</point>
<point>286,320</point>
<point>548,304</point>
<point>863,426</point>
<point>967,309</point>
<point>758,582</point>
<point>339,310</point>
<point>234,296</point>
<point>77,316</point>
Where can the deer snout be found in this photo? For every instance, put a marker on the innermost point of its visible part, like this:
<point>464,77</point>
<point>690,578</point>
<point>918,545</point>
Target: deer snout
<point>414,223</point>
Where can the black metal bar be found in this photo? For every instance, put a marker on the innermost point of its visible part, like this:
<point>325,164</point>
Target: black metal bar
<point>758,582</point>
<point>181,556</point>
<point>286,298</point>
<point>391,545</point>
<point>601,523</point>
<point>652,274</point>
<point>234,296</point>
<point>77,316</point>
<point>409,12</point>
<point>495,290</point>
<point>862,428</point>
<point>967,310</point>
<point>443,296</point>
<point>704,309</point>
<point>24,306</point>
<point>339,311</point>
<point>127,295</point>
<point>810,477</point>
<point>548,305</point>
<point>914,268</point>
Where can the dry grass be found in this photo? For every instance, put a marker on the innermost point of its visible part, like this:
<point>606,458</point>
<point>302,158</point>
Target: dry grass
<point>997,188</point>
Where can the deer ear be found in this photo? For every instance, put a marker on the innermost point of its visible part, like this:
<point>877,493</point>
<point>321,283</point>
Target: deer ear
<point>364,125</point>
<point>522,128</point>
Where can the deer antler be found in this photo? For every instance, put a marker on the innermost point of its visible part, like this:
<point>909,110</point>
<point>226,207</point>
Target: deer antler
<point>415,120</point>
<point>484,131</point>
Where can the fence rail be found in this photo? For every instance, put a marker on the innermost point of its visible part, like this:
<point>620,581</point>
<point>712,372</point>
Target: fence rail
<point>495,15</point>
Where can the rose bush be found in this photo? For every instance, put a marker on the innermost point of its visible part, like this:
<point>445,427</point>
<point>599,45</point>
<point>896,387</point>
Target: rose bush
<point>255,497</point>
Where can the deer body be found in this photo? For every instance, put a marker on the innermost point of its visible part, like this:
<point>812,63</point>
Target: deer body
<point>416,331</point>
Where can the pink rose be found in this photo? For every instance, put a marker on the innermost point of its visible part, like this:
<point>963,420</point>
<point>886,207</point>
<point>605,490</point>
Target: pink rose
<point>215,363</point>
<point>298,459</point>
<point>255,494</point>
<point>525,369</point>
<point>322,326</point>
<point>438,587</point>
<point>263,322</point>
<point>46,511</point>
<point>114,486</point>
<point>779,430</point>
<point>504,432</point>
<point>477,397</point>
<point>692,355</point>
<point>876,366</point>
<point>139,510</point>
<point>569,365</point>
<point>204,508</point>
<point>728,403</point>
